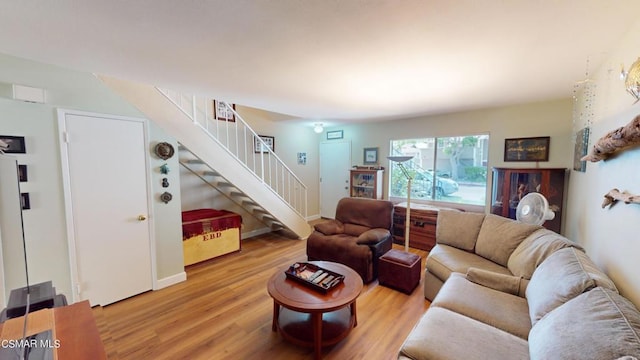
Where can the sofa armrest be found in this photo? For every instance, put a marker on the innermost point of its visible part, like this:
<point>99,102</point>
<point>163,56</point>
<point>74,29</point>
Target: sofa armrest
<point>373,236</point>
<point>330,227</point>
<point>513,285</point>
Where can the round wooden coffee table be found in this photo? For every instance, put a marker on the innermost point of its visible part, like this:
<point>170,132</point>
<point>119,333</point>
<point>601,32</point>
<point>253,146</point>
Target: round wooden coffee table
<point>308,317</point>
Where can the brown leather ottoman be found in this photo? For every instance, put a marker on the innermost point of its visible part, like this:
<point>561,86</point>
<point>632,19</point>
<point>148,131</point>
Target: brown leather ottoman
<point>399,270</point>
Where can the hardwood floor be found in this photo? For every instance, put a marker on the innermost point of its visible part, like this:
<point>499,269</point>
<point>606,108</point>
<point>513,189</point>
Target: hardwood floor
<point>223,311</point>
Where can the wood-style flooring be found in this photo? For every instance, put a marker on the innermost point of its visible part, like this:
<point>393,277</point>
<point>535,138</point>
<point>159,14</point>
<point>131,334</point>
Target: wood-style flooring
<point>223,311</point>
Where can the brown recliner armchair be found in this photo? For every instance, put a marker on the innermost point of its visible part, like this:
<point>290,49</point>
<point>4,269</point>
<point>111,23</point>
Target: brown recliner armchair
<point>359,235</point>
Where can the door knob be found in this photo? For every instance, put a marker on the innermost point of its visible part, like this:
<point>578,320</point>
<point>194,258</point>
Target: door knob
<point>142,218</point>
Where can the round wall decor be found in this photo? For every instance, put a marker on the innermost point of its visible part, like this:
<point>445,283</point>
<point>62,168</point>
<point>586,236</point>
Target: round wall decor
<point>166,197</point>
<point>164,150</point>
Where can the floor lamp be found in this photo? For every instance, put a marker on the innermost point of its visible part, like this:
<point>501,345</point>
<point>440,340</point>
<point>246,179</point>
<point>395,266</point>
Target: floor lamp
<point>400,160</point>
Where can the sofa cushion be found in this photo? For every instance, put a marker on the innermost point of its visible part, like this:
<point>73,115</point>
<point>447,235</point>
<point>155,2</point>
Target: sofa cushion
<point>354,230</point>
<point>458,229</point>
<point>507,312</point>
<point>499,236</point>
<point>564,275</point>
<point>534,249</point>
<point>443,334</point>
<point>365,212</point>
<point>330,227</point>
<point>599,324</point>
<point>444,259</point>
<point>373,236</point>
<point>509,284</point>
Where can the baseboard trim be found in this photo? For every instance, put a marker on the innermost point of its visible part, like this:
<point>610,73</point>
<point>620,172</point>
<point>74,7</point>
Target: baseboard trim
<point>256,232</point>
<point>313,217</point>
<point>171,280</point>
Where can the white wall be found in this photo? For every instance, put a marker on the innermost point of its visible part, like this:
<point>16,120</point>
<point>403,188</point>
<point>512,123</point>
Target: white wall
<point>290,139</point>
<point>45,230</point>
<point>610,235</point>
<point>549,118</point>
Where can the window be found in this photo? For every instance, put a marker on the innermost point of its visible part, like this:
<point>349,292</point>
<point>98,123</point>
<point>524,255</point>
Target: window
<point>448,169</point>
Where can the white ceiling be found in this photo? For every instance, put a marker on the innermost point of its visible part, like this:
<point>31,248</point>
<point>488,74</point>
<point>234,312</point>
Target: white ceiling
<point>329,60</point>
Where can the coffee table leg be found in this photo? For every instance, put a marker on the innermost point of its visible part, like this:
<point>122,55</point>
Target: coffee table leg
<point>276,315</point>
<point>354,314</point>
<point>316,320</point>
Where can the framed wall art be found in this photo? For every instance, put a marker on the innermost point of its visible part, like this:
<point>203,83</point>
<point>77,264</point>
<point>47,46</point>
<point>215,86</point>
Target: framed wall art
<point>333,135</point>
<point>12,144</point>
<point>581,147</point>
<point>25,201</point>
<point>370,156</point>
<point>527,149</point>
<point>22,173</point>
<point>259,147</point>
<point>221,112</point>
<point>302,158</point>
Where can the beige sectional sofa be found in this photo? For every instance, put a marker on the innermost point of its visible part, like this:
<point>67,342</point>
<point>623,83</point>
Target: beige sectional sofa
<point>506,290</point>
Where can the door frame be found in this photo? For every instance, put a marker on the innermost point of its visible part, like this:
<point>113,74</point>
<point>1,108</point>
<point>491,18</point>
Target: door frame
<point>66,184</point>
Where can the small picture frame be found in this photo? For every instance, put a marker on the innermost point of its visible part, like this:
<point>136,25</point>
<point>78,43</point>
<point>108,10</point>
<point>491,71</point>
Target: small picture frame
<point>14,144</point>
<point>527,149</point>
<point>302,158</point>
<point>336,134</point>
<point>259,147</point>
<point>25,202</point>
<point>370,156</point>
<point>22,173</point>
<point>221,112</point>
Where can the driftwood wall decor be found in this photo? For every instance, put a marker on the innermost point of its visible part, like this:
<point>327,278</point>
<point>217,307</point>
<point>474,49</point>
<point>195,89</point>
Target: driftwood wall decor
<point>616,140</point>
<point>615,195</point>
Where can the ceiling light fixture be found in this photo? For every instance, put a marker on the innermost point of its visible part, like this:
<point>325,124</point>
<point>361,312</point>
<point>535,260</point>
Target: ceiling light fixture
<point>318,128</point>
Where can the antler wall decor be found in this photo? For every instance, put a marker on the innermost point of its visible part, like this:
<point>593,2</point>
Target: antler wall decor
<point>614,195</point>
<point>616,140</point>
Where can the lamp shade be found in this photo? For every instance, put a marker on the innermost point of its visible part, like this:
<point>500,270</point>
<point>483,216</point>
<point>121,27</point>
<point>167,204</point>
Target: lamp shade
<point>399,158</point>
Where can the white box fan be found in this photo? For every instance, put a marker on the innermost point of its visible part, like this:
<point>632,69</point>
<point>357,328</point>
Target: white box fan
<point>534,209</point>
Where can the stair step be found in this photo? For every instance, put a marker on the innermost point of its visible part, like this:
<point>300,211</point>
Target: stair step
<point>197,154</point>
<point>211,173</point>
<point>239,194</point>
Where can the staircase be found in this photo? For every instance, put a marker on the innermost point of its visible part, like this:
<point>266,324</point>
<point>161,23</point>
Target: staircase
<point>227,155</point>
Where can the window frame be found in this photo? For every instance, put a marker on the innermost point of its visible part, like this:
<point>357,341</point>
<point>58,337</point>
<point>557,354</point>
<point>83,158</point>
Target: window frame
<point>483,146</point>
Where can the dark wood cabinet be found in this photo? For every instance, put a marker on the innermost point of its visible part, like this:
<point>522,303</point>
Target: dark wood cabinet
<point>422,228</point>
<point>510,185</point>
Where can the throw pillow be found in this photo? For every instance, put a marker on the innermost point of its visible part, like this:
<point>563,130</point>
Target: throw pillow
<point>505,283</point>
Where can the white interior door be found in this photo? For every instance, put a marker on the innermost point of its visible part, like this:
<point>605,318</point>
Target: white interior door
<point>107,201</point>
<point>335,162</point>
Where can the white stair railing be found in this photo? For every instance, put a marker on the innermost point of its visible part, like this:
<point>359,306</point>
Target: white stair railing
<point>243,143</point>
